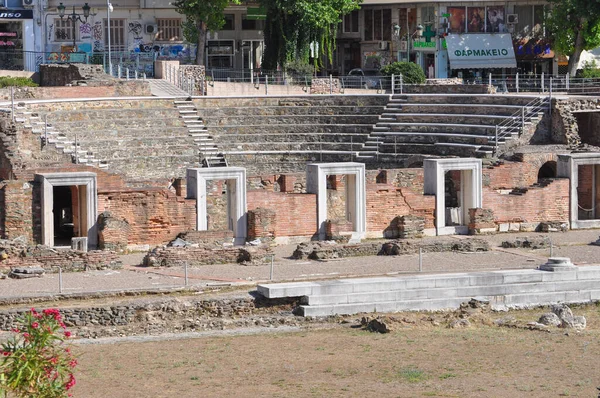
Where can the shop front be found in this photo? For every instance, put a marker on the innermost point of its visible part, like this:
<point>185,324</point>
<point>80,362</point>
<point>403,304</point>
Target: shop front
<point>17,40</point>
<point>535,56</point>
<point>473,56</point>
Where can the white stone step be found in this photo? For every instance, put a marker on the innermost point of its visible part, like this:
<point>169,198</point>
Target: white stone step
<point>510,288</point>
<point>186,112</point>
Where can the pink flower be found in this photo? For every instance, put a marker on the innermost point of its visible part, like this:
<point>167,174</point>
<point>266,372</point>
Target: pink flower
<point>67,334</point>
<point>71,382</point>
<point>35,325</point>
<point>73,363</point>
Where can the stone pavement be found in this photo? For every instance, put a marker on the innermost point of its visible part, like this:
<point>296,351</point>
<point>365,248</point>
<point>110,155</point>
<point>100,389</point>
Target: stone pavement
<point>163,88</point>
<point>573,244</point>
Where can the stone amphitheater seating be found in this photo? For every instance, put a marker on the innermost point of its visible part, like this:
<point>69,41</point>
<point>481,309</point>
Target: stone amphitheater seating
<point>455,125</point>
<point>146,139</point>
<point>283,134</point>
<point>140,139</point>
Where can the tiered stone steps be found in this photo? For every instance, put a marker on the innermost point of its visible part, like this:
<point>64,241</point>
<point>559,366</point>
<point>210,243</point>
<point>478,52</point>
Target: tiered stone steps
<point>459,125</point>
<point>504,289</point>
<point>209,152</point>
<point>278,133</point>
<point>138,139</point>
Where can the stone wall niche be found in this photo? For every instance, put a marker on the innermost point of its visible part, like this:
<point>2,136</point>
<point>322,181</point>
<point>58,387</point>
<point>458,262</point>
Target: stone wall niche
<point>584,196</point>
<point>84,205</point>
<point>235,178</point>
<point>471,195</point>
<point>356,202</point>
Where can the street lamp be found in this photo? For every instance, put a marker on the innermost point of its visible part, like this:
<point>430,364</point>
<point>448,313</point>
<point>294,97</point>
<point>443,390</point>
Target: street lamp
<point>74,17</point>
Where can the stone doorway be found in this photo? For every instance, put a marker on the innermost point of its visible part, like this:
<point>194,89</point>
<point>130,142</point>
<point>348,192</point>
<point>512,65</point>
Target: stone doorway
<point>355,194</point>
<point>235,180</point>
<point>69,208</point>
<point>583,171</point>
<point>456,184</point>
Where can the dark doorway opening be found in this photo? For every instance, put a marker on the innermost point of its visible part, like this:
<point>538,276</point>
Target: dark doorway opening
<point>64,227</point>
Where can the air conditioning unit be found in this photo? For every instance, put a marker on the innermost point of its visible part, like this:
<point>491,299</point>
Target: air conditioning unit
<point>27,3</point>
<point>383,45</point>
<point>148,29</point>
<point>512,19</point>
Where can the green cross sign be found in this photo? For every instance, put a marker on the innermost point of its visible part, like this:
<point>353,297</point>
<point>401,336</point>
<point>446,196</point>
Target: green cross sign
<point>428,34</point>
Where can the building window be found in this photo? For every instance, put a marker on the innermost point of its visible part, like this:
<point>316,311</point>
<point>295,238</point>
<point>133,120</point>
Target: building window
<point>117,34</point>
<point>378,24</point>
<point>229,22</point>
<point>351,22</point>
<point>169,29</point>
<point>220,54</point>
<point>63,30</point>
<point>252,24</point>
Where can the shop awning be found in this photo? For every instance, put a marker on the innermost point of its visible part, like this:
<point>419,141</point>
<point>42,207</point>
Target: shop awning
<point>477,51</point>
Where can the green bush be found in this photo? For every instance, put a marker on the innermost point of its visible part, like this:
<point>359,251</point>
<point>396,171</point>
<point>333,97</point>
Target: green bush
<point>299,68</point>
<point>7,81</point>
<point>411,72</point>
<point>590,70</point>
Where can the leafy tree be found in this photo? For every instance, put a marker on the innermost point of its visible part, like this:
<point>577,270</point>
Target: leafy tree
<point>202,16</point>
<point>411,72</point>
<point>302,29</point>
<point>574,27</point>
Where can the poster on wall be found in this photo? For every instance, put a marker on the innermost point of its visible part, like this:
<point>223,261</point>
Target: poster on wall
<point>457,19</point>
<point>495,19</point>
<point>475,19</point>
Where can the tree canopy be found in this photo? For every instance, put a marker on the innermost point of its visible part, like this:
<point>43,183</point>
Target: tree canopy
<point>202,16</point>
<point>302,29</point>
<point>574,27</point>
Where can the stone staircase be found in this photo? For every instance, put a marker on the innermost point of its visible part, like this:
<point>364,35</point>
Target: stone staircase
<point>504,289</point>
<point>209,153</point>
<point>456,125</point>
<point>139,139</point>
<point>49,135</point>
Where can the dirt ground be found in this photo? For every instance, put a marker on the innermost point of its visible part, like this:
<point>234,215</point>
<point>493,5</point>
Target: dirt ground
<point>421,357</point>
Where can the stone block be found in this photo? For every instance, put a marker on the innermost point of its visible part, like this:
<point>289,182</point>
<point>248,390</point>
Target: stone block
<point>514,227</point>
<point>503,227</point>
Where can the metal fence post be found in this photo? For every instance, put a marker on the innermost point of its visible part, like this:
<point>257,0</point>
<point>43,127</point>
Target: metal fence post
<point>543,88</point>
<point>267,85</point>
<point>420,259</point>
<point>517,81</point>
<point>76,157</point>
<point>489,79</point>
<point>522,118</point>
<point>496,135</point>
<point>392,84</point>
<point>272,267</point>
<point>401,82</point>
<point>127,73</point>
<point>330,84</point>
<point>567,82</point>
<point>60,280</point>
<point>12,103</point>
<point>185,274</point>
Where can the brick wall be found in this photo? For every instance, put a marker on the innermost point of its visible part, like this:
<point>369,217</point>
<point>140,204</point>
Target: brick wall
<point>521,173</point>
<point>538,204</point>
<point>296,213</point>
<point>154,215</point>
<point>15,216</point>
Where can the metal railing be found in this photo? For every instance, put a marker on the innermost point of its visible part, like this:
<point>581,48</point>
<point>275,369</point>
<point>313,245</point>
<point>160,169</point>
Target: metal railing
<point>514,124</point>
<point>179,79</point>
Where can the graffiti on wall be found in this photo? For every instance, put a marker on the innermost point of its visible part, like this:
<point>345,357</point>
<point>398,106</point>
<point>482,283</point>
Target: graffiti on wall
<point>85,31</point>
<point>97,31</point>
<point>50,31</point>
<point>135,28</point>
